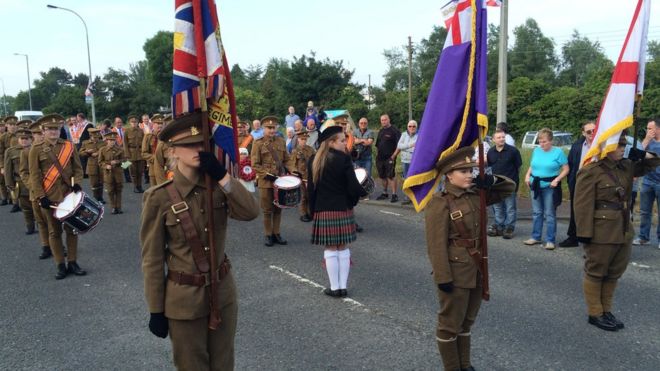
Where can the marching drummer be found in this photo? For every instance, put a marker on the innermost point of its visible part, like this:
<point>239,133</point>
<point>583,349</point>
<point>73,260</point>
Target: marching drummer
<point>55,171</point>
<point>13,179</point>
<point>111,157</point>
<point>270,159</point>
<point>301,154</point>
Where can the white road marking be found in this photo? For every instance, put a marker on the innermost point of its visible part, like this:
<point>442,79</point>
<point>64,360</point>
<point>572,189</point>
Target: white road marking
<point>318,286</point>
<point>390,213</point>
<point>640,265</point>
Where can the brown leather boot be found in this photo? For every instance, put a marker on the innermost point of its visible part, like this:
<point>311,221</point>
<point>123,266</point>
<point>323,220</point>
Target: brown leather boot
<point>463,342</point>
<point>449,353</point>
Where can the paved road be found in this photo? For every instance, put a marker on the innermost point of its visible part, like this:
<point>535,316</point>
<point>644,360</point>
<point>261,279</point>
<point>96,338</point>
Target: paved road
<point>535,321</point>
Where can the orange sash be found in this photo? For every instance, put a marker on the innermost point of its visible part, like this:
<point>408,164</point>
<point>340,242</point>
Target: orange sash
<point>246,142</point>
<point>63,158</point>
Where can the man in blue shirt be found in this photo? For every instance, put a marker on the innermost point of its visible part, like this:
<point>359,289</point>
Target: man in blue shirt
<point>291,118</point>
<point>650,192</point>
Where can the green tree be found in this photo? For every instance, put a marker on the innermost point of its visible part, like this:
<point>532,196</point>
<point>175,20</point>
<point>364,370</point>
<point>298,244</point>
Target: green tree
<point>159,51</point>
<point>579,57</point>
<point>533,54</point>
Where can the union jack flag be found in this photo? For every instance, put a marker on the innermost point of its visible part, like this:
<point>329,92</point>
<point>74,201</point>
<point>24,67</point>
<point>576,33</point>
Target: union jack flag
<point>199,54</point>
<point>451,16</point>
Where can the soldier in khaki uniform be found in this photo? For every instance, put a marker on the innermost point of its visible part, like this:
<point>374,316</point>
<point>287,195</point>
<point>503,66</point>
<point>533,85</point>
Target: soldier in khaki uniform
<point>133,137</point>
<point>24,171</point>
<point>90,149</point>
<point>180,304</point>
<point>50,187</point>
<point>270,159</point>
<point>149,145</point>
<point>452,237</point>
<point>602,220</point>
<point>13,177</point>
<point>7,139</point>
<point>301,154</point>
<point>111,157</point>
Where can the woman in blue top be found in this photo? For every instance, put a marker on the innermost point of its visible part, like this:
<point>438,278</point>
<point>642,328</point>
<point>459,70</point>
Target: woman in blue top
<point>548,167</point>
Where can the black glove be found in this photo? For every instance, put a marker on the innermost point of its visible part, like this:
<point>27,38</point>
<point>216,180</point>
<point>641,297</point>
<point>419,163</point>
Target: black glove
<point>270,177</point>
<point>158,325</point>
<point>446,287</point>
<point>211,166</point>
<point>486,183</point>
<point>584,239</point>
<point>76,188</point>
<point>636,154</point>
<point>45,203</point>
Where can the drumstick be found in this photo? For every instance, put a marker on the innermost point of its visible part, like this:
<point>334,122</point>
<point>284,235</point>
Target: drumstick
<point>59,208</point>
<point>73,179</point>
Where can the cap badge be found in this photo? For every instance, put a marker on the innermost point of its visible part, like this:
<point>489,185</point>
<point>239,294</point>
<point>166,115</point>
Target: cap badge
<point>194,131</point>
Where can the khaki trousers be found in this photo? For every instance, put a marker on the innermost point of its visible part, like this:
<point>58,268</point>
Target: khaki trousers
<point>272,213</point>
<point>42,224</point>
<point>55,238</point>
<point>113,181</point>
<point>137,172</point>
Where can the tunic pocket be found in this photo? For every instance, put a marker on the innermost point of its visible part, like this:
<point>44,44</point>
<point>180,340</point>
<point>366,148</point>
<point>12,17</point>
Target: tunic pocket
<point>458,254</point>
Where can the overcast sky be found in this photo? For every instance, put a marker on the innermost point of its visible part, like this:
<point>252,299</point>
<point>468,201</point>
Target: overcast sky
<point>355,31</point>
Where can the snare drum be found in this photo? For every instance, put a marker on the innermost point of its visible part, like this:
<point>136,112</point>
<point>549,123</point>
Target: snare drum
<point>287,193</point>
<point>365,180</point>
<point>79,211</point>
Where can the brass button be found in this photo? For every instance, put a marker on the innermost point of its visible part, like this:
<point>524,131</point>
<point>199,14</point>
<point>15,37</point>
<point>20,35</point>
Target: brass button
<point>206,229</point>
<point>201,211</point>
<point>206,248</point>
<point>178,220</point>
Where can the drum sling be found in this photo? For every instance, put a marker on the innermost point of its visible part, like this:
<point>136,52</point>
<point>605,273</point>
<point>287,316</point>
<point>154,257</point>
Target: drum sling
<point>57,169</point>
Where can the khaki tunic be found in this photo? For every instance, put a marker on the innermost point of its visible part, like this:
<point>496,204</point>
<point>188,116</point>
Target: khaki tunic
<point>113,179</point>
<point>88,149</point>
<point>24,171</point>
<point>133,143</point>
<point>611,234</point>
<point>16,185</point>
<point>301,155</point>
<point>7,140</point>
<point>452,263</point>
<point>161,158</point>
<point>149,146</point>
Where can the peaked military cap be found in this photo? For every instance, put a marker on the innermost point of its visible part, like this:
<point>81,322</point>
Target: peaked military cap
<point>51,121</point>
<point>10,120</point>
<point>459,159</point>
<point>186,129</point>
<point>269,121</point>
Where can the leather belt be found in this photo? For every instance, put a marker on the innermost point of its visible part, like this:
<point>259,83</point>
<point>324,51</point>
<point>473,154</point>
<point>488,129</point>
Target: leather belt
<point>199,279</point>
<point>608,205</point>
<point>464,242</point>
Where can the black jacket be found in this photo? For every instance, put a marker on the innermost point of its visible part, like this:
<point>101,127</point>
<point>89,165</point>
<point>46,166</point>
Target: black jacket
<point>338,188</point>
<point>574,162</point>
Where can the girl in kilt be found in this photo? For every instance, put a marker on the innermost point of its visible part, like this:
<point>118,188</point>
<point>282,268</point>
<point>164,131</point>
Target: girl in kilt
<point>333,192</point>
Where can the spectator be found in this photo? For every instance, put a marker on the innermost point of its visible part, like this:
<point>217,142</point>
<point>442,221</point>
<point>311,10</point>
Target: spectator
<point>105,127</point>
<point>508,139</point>
<point>406,146</point>
<point>65,131</point>
<point>548,167</point>
<point>257,131</point>
<point>313,138</point>
<point>504,160</point>
<point>311,113</point>
<point>290,140</point>
<point>291,118</point>
<point>83,127</point>
<point>650,192</point>
<point>361,152</point>
<point>297,126</point>
<point>146,124</point>
<point>386,142</point>
<point>575,156</point>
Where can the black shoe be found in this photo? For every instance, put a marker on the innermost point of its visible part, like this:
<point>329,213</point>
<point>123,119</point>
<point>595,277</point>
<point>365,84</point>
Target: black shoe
<point>305,218</point>
<point>119,211</point>
<point>569,242</point>
<point>494,231</point>
<point>507,234</point>
<point>140,190</point>
<point>61,271</point>
<point>114,211</point>
<point>15,209</point>
<point>101,201</point>
<point>468,369</point>
<point>610,317</point>
<point>75,269</point>
<point>279,240</point>
<point>4,202</point>
<point>383,196</point>
<point>394,198</point>
<point>602,323</point>
<point>268,241</point>
<point>343,293</point>
<point>358,228</point>
<point>45,253</point>
<point>333,293</point>
<point>30,230</point>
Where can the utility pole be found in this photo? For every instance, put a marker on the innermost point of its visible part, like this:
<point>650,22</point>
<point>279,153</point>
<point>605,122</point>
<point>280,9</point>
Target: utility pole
<point>410,51</point>
<point>369,92</point>
<point>4,98</point>
<point>502,66</point>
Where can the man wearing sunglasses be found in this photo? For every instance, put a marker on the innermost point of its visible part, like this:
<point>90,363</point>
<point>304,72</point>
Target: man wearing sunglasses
<point>575,156</point>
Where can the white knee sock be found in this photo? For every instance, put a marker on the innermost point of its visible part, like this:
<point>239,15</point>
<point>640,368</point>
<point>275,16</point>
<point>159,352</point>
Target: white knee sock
<point>332,266</point>
<point>344,267</point>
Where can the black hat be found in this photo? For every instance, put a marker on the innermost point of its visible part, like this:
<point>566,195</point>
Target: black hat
<point>329,129</point>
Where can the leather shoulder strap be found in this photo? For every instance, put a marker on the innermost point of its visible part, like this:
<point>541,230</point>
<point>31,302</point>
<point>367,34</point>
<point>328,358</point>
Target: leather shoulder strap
<point>276,157</point>
<point>180,209</point>
<point>456,216</point>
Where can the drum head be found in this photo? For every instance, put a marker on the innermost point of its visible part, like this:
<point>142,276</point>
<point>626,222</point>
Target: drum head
<point>361,174</point>
<point>68,205</point>
<point>287,182</point>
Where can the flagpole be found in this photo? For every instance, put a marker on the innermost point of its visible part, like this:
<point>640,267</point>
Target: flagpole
<point>214,315</point>
<point>483,220</point>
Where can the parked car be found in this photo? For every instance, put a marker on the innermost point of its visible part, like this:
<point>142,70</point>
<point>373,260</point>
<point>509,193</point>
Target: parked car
<point>560,139</point>
<point>28,115</point>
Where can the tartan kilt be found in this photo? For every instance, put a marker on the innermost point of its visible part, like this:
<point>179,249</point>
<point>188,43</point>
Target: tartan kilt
<point>333,228</point>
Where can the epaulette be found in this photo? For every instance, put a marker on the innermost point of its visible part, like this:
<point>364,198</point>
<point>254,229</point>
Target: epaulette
<point>591,165</point>
<point>161,185</point>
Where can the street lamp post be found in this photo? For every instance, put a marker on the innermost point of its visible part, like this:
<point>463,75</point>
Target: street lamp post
<point>89,59</point>
<point>27,62</point>
<point>4,98</point>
